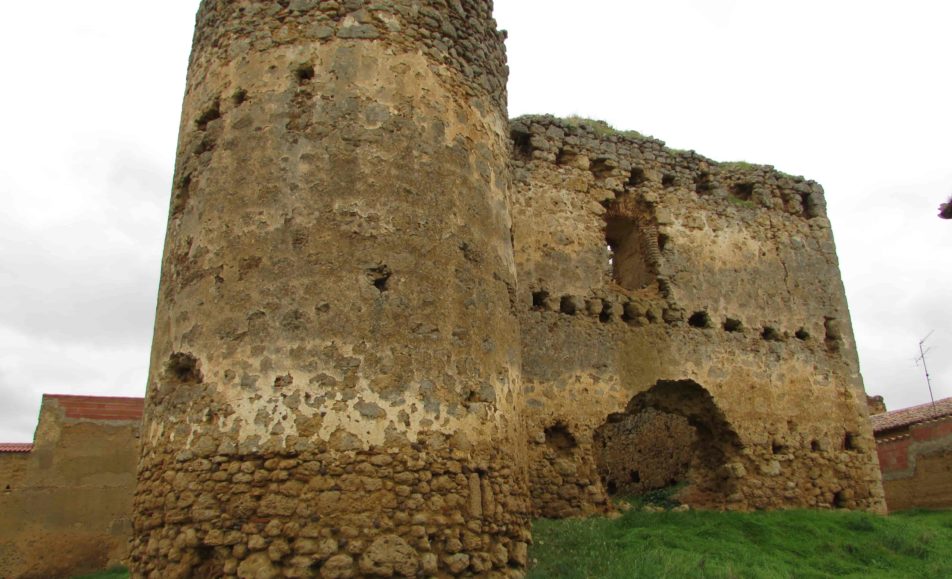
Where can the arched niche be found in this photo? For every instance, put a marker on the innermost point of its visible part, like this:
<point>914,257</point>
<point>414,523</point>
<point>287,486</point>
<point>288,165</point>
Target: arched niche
<point>674,433</point>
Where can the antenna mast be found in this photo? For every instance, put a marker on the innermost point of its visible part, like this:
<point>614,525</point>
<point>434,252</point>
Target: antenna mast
<point>922,357</point>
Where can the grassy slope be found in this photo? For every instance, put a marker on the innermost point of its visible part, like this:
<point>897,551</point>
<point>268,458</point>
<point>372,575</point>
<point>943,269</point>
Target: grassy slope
<point>801,544</point>
<point>785,544</point>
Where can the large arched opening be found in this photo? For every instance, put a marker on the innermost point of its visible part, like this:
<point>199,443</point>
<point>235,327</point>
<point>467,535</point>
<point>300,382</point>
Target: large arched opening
<point>673,434</point>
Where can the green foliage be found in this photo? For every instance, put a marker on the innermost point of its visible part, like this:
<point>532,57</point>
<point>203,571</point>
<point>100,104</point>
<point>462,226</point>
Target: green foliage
<point>740,202</point>
<point>745,166</point>
<point>600,128</point>
<point>740,165</point>
<point>782,544</point>
<point>113,573</point>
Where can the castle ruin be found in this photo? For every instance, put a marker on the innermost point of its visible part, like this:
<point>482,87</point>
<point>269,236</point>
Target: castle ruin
<point>393,325</point>
<point>682,320</point>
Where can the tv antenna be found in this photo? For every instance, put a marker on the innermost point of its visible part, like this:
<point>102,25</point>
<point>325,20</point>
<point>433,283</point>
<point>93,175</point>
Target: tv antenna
<point>922,358</point>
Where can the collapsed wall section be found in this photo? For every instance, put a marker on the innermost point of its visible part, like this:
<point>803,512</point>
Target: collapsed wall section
<point>650,274</point>
<point>334,386</point>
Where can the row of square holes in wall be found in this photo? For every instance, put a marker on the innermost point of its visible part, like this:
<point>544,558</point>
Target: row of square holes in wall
<point>568,305</point>
<point>850,442</point>
<point>742,192</point>
<point>702,320</point>
<point>602,167</point>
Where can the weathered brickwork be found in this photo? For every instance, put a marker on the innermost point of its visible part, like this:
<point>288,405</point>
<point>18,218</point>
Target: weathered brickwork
<point>66,500</point>
<point>334,387</point>
<point>654,279</point>
<point>915,455</point>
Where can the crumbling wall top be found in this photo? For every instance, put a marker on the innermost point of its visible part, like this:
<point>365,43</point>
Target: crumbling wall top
<point>460,35</point>
<point>627,158</point>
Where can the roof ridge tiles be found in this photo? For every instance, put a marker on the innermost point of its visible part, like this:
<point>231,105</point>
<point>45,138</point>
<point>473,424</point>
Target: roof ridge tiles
<point>16,447</point>
<point>912,415</point>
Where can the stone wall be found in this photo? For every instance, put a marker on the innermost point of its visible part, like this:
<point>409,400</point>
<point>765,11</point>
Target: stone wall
<point>344,356</point>
<point>649,271</point>
<point>650,450</point>
<point>335,374</point>
<point>65,507</point>
<point>915,456</point>
<point>876,405</point>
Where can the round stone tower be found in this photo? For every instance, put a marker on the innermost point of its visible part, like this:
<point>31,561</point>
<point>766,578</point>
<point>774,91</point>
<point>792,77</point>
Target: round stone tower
<point>334,383</point>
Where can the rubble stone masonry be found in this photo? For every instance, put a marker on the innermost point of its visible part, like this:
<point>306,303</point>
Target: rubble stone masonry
<point>349,378</point>
<point>704,297</point>
<point>334,387</point>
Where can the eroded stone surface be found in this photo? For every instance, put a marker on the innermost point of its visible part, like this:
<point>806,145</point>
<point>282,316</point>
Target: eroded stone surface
<point>715,276</point>
<point>345,361</point>
<point>650,450</point>
<point>390,556</point>
<point>336,360</point>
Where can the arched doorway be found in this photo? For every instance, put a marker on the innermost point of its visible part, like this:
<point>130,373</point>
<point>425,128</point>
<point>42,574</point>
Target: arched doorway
<point>671,434</point>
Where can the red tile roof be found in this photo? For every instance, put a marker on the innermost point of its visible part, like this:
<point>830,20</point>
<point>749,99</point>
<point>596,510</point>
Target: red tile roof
<point>912,415</point>
<point>99,407</point>
<point>18,447</point>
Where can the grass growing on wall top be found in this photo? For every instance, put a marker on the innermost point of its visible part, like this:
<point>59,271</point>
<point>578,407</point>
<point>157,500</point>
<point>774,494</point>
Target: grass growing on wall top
<point>600,128</point>
<point>782,544</point>
<point>740,165</point>
<point>747,167</point>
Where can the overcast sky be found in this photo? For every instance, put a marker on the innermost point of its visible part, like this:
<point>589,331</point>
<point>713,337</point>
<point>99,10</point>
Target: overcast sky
<point>853,94</point>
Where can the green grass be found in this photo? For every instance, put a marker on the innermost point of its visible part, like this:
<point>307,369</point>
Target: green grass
<point>771,545</point>
<point>740,165</point>
<point>600,128</point>
<point>114,573</point>
<point>783,544</point>
<point>741,202</point>
<point>745,166</point>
